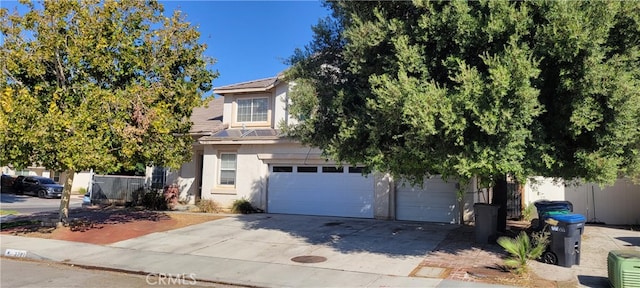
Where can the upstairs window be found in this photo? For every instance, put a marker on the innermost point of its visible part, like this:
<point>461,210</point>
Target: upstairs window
<point>252,110</point>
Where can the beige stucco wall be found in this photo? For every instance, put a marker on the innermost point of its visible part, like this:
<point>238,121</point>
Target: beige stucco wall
<point>471,196</point>
<point>383,197</point>
<point>185,179</point>
<point>80,180</point>
<point>615,204</point>
<point>538,188</point>
<point>280,103</point>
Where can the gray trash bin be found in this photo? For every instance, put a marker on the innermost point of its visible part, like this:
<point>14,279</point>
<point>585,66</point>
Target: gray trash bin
<point>564,248</point>
<point>486,221</point>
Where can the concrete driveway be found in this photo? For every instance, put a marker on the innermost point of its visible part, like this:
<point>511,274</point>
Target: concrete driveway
<point>597,241</point>
<point>359,245</point>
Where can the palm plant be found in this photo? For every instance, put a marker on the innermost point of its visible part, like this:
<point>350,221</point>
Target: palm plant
<point>522,250</point>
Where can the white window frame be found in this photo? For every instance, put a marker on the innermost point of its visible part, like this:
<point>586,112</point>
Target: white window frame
<point>251,114</point>
<point>221,169</point>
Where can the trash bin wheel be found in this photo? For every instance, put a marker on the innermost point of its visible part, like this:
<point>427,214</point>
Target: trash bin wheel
<point>535,224</point>
<point>549,258</point>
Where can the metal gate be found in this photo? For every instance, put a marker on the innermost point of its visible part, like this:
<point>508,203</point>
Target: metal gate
<point>514,200</point>
<point>107,189</point>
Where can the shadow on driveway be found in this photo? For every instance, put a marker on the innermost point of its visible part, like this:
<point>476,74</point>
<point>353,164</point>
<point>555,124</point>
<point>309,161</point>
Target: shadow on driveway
<point>593,281</point>
<point>633,241</point>
<point>351,235</point>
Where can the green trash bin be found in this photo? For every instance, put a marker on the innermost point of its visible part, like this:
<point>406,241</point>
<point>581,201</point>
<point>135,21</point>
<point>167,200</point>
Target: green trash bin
<point>623,268</point>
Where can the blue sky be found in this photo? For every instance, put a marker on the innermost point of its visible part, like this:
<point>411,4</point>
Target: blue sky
<point>251,39</point>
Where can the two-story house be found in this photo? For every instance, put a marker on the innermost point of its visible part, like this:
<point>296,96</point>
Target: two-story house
<point>240,153</point>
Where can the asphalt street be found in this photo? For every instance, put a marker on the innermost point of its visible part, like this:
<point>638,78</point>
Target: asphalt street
<point>25,204</point>
<point>26,273</point>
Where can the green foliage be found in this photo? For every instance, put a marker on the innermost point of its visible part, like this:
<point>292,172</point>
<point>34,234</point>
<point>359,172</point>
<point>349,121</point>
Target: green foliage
<point>208,206</point>
<point>527,212</point>
<point>82,191</point>
<point>153,199</point>
<point>522,249</point>
<point>243,206</point>
<point>104,86</point>
<point>101,85</point>
<point>483,88</point>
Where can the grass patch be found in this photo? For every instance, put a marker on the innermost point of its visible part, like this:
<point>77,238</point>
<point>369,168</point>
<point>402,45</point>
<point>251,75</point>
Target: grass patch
<point>8,212</point>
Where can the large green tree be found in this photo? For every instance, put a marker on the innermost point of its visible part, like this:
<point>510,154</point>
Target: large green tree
<point>479,88</point>
<point>101,85</point>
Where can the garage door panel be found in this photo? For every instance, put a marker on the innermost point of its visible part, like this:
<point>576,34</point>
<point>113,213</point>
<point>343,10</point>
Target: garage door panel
<point>423,195</point>
<point>429,214</point>
<point>326,194</point>
<point>435,201</point>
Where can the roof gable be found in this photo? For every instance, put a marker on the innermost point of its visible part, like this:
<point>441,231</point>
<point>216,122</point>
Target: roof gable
<point>259,85</point>
<point>208,120</point>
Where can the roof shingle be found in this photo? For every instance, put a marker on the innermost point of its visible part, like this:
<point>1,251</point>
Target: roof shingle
<point>265,83</point>
<point>208,120</point>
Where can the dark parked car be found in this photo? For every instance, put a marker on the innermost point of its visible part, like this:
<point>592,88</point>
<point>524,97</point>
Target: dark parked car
<point>42,187</point>
<point>6,183</point>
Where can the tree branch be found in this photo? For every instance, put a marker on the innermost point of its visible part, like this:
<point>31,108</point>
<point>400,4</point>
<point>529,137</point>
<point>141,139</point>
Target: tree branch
<point>4,69</point>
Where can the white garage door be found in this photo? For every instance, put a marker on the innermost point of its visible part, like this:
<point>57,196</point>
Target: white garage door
<point>320,190</point>
<point>434,202</point>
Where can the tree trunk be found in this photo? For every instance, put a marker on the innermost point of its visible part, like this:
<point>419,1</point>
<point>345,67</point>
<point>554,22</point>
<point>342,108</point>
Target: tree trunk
<point>500,199</point>
<point>63,217</point>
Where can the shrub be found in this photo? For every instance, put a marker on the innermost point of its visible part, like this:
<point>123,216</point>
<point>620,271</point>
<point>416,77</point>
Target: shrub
<point>527,213</point>
<point>153,199</point>
<point>208,206</point>
<point>82,191</point>
<point>522,249</point>
<point>243,206</point>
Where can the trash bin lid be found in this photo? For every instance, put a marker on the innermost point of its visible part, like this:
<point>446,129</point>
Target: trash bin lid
<point>627,254</point>
<point>545,205</point>
<point>569,218</point>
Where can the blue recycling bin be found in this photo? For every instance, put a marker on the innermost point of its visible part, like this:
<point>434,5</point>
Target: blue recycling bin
<point>564,247</point>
